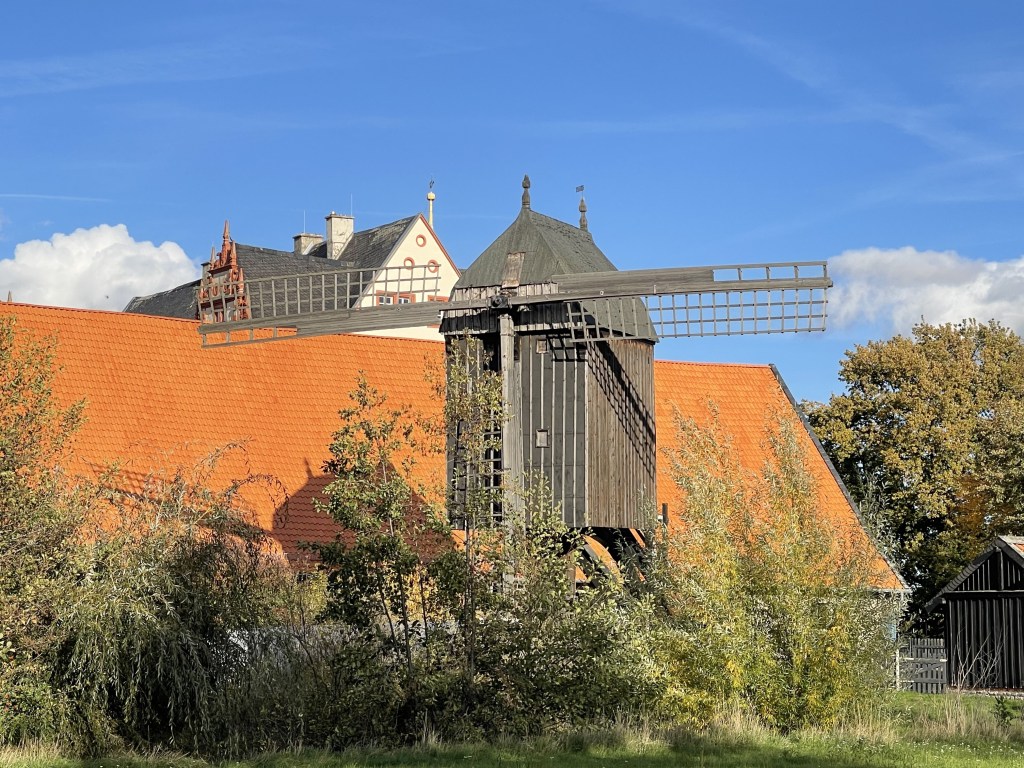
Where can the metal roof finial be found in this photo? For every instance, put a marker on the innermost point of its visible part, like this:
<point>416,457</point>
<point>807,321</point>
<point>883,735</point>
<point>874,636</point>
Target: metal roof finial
<point>430,204</point>
<point>526,191</point>
<point>583,209</point>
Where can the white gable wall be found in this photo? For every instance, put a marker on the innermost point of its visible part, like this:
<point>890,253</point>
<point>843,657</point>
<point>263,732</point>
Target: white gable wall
<point>418,247</point>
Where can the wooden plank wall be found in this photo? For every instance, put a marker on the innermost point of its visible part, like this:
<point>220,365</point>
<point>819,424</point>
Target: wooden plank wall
<point>985,639</point>
<point>554,420</point>
<point>621,436</point>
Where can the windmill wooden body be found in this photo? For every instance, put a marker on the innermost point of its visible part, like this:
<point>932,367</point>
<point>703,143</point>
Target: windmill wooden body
<point>573,339</point>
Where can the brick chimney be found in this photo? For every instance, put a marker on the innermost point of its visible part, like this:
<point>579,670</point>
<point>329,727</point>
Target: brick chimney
<point>339,232</point>
<point>305,242</point>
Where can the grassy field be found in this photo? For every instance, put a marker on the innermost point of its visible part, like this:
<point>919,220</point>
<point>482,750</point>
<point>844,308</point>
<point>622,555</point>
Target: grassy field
<point>919,731</point>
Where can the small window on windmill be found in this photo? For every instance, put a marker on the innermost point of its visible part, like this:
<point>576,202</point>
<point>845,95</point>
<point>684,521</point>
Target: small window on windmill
<point>542,346</point>
<point>542,438</point>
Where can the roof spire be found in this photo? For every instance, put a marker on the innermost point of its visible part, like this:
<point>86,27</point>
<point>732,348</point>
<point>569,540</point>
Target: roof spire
<point>227,253</point>
<point>430,204</point>
<point>583,208</point>
<point>526,191</point>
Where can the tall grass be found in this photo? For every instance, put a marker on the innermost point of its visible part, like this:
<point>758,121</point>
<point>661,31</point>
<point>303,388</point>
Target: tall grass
<point>923,731</point>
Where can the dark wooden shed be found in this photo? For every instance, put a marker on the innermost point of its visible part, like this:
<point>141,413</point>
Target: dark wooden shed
<point>983,609</point>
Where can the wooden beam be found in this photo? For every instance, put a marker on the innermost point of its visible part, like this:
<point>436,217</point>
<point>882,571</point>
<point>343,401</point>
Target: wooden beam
<point>682,280</point>
<point>512,429</point>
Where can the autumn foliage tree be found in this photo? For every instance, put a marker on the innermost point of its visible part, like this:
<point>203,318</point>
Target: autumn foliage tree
<point>928,438</point>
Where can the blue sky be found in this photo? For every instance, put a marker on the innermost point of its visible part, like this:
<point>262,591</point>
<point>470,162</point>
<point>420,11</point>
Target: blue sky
<point>886,137</point>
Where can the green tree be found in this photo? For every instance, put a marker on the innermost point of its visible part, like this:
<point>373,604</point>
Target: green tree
<point>378,582</point>
<point>480,636</point>
<point>927,437</point>
<point>173,605</point>
<point>765,606</point>
<point>40,516</point>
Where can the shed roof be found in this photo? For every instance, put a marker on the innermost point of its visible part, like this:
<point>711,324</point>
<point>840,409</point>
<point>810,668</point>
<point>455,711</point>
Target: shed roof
<point>179,302</point>
<point>155,396</point>
<point>1012,546</point>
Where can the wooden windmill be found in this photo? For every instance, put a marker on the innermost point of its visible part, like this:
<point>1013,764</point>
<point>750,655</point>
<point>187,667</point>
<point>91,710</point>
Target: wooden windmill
<point>572,337</point>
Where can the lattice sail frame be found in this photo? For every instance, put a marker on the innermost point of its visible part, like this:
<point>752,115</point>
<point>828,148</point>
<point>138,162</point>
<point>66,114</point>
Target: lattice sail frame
<point>750,305</point>
<point>686,301</point>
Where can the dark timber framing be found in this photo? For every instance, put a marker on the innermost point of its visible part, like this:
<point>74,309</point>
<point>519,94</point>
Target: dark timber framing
<point>983,609</point>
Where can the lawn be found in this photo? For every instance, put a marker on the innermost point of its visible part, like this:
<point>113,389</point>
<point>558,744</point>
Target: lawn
<point>917,732</point>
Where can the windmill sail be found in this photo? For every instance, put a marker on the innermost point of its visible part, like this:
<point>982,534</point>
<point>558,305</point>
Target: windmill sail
<point>648,303</point>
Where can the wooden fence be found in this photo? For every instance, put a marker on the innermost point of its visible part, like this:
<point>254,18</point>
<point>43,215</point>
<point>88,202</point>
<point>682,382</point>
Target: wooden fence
<point>921,665</point>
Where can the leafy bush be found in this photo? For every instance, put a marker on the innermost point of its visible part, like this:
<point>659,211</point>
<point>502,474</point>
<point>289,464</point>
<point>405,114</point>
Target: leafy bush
<point>479,641</point>
<point>40,514</point>
<point>766,604</point>
<point>173,606</point>
<point>158,614</point>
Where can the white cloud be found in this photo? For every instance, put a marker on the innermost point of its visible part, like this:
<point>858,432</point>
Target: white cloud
<point>899,286</point>
<point>97,268</point>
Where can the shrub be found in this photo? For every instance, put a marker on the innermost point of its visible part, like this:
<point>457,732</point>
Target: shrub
<point>764,604</point>
<point>40,514</point>
<point>481,640</point>
<point>173,608</point>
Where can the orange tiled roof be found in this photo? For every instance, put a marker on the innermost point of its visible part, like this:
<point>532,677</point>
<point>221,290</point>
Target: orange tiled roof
<point>746,397</point>
<point>156,397</point>
<point>1017,542</point>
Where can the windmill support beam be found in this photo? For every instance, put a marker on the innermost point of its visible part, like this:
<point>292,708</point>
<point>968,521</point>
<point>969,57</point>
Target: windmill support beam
<point>512,434</point>
<point>680,280</point>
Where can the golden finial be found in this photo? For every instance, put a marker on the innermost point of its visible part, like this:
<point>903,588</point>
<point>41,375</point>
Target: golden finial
<point>526,191</point>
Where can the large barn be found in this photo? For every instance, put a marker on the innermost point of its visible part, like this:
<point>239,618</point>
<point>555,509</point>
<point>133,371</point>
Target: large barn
<point>156,399</point>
